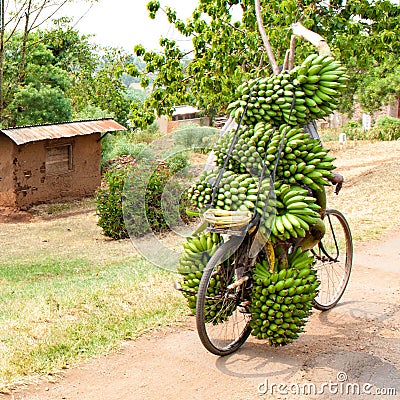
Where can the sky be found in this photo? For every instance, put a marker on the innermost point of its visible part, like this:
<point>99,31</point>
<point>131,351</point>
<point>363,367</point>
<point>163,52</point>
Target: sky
<point>125,23</point>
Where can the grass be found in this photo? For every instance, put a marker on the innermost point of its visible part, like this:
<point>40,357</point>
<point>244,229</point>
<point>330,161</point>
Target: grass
<point>68,294</point>
<point>58,311</point>
<point>60,208</point>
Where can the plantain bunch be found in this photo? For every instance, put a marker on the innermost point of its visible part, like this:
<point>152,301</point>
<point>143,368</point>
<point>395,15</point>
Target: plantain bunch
<point>235,192</point>
<point>281,301</point>
<point>299,159</point>
<point>308,92</point>
<point>197,251</point>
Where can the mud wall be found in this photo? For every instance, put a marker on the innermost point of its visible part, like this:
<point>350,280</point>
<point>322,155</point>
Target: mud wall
<point>173,125</point>
<point>73,172</point>
<point>167,126</point>
<point>7,193</point>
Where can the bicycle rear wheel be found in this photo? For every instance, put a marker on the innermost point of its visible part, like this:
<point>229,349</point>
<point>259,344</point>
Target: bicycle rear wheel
<point>334,256</point>
<point>222,317</point>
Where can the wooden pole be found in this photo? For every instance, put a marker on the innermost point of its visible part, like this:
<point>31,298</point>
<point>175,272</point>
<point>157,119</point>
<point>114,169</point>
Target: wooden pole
<point>317,40</point>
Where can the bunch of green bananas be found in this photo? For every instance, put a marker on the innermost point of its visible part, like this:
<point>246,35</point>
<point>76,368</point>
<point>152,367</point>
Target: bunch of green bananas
<point>273,111</point>
<point>250,148</point>
<point>235,192</point>
<point>307,92</point>
<point>281,301</point>
<point>197,251</point>
<point>302,160</point>
<point>297,211</point>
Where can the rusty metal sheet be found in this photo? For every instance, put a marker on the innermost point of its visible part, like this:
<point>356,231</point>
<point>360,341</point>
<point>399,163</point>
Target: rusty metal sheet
<point>28,134</point>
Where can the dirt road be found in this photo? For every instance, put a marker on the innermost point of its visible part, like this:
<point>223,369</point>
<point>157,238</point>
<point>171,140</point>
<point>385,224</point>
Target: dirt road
<point>352,351</point>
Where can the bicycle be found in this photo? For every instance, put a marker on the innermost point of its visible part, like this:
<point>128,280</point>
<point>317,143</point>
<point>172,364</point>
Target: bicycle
<point>224,316</point>
<point>229,325</point>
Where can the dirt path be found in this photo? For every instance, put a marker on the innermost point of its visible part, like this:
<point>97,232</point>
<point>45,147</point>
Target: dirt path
<point>355,346</point>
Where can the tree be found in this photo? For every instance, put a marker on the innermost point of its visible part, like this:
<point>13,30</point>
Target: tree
<point>110,92</point>
<point>64,76</point>
<point>95,72</point>
<point>226,52</point>
<point>381,85</point>
<point>41,97</point>
<point>42,105</point>
<point>24,18</point>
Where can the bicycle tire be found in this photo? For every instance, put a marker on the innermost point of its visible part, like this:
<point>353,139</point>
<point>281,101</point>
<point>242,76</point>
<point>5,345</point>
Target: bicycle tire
<point>334,255</point>
<point>227,331</point>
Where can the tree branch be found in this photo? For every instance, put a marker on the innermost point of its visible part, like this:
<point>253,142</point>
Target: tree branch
<point>17,15</point>
<point>285,66</point>
<point>40,9</point>
<point>235,28</point>
<point>317,40</point>
<point>265,39</point>
<point>187,53</point>
<point>292,52</point>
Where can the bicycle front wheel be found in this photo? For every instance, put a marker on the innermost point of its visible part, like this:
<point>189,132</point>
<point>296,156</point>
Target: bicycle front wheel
<point>334,256</point>
<point>222,317</point>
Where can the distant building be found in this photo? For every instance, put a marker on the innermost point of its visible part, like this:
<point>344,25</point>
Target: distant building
<point>182,115</point>
<point>50,162</point>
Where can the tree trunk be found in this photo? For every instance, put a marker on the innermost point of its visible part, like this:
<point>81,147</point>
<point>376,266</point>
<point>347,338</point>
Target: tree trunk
<point>1,60</point>
<point>21,70</point>
<point>298,31</point>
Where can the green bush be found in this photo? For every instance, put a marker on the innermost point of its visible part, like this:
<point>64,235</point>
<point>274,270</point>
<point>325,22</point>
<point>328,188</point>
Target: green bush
<point>109,204</point>
<point>387,128</point>
<point>126,206</point>
<point>354,130</point>
<point>147,135</point>
<point>164,200</point>
<point>178,161</point>
<point>114,146</point>
<point>123,147</point>
<point>351,129</point>
<point>196,138</point>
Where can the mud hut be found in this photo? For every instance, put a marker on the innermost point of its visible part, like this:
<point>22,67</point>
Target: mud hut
<point>50,162</point>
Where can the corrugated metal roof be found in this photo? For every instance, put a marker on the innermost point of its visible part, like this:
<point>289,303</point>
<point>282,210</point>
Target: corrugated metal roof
<point>182,110</point>
<point>28,134</point>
